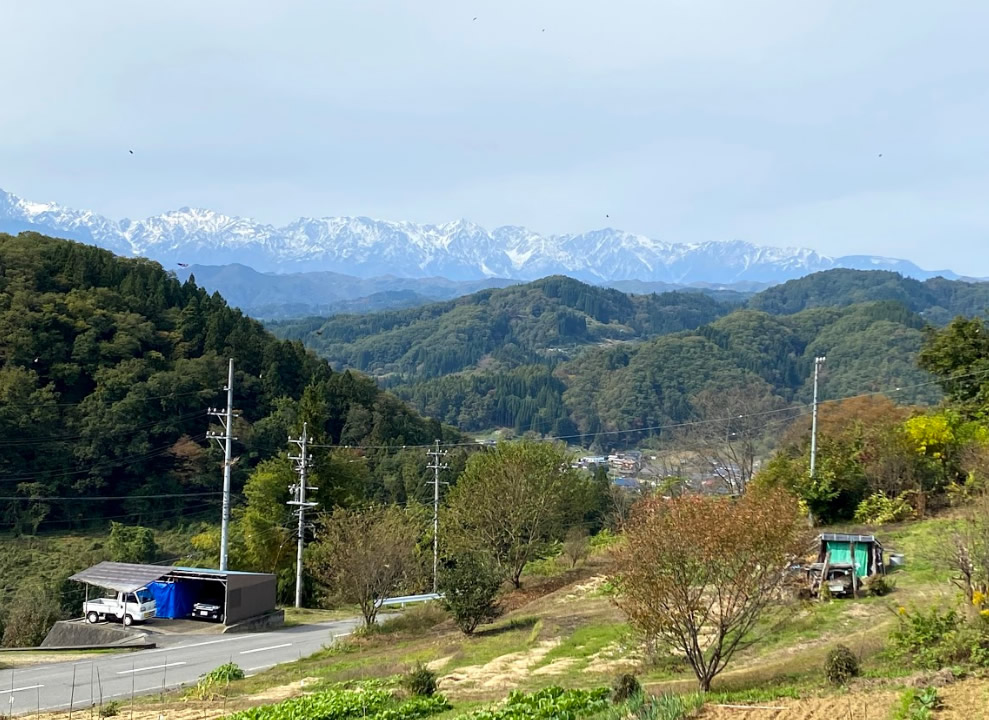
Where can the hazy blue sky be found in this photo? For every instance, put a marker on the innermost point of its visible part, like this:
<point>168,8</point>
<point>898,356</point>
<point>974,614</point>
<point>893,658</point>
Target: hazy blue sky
<point>682,119</point>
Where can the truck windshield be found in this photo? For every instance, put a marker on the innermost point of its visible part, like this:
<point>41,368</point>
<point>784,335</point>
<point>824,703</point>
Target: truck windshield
<point>144,596</point>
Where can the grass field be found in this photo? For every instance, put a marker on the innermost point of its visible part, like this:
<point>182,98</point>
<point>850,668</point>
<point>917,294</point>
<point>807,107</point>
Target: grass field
<point>563,629</point>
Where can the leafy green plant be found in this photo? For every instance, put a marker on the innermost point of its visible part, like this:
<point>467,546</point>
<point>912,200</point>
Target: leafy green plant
<point>914,705</point>
<point>552,703</point>
<point>212,684</point>
<point>418,707</point>
<point>327,705</point>
<point>841,665</point>
<point>110,709</point>
<point>420,681</point>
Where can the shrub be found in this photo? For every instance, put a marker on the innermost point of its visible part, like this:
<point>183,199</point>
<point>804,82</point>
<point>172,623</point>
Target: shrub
<point>576,545</point>
<point>415,620</point>
<point>110,709</point>
<point>879,509</point>
<point>624,687</point>
<point>932,639</point>
<point>841,665</point>
<point>210,685</point>
<point>420,681</point>
<point>470,584</point>
<point>879,585</point>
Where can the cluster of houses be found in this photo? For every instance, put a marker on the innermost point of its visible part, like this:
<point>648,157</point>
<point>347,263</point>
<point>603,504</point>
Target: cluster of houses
<point>622,466</point>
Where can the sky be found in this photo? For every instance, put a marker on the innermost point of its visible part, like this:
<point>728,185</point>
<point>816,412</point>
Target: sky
<point>848,127</point>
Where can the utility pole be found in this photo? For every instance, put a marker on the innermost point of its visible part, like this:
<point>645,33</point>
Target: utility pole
<point>226,418</point>
<point>436,466</point>
<point>302,461</point>
<point>818,362</point>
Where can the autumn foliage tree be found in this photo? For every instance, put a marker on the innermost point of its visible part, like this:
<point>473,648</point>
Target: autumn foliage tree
<point>364,555</point>
<point>697,572</point>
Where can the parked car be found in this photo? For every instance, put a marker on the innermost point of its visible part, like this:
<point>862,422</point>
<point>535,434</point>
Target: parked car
<point>207,611</point>
<point>128,608</point>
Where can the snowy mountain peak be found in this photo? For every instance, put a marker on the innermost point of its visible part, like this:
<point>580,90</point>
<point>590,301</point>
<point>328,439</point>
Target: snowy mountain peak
<point>458,250</point>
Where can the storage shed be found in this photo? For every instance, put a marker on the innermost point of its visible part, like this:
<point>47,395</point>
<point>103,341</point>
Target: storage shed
<point>865,552</point>
<point>241,595</point>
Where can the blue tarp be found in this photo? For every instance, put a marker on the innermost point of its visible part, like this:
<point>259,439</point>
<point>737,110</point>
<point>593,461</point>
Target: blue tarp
<point>174,599</point>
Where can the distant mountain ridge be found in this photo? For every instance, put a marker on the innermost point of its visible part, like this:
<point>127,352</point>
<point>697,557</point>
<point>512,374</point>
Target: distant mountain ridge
<point>459,250</point>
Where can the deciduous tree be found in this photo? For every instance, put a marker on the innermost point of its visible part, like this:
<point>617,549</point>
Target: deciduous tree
<point>512,501</point>
<point>365,554</point>
<point>698,572</point>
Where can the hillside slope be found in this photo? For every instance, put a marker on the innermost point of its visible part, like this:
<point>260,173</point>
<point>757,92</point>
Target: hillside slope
<point>562,358</point>
<point>544,320</point>
<point>107,367</point>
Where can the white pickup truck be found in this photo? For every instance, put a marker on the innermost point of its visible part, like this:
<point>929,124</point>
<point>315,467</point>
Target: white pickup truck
<point>129,607</point>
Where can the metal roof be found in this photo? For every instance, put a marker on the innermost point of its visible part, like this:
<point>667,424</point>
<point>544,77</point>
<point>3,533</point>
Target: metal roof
<point>842,537</point>
<point>123,577</point>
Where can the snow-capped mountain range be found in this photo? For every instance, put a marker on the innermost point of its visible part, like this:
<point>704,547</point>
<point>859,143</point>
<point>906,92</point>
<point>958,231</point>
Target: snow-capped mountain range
<point>458,250</point>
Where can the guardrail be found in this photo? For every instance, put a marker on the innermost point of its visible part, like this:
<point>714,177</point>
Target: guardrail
<point>404,600</point>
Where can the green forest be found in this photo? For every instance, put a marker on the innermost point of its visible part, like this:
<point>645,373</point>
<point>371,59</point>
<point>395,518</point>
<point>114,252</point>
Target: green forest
<point>107,368</point>
<point>562,358</point>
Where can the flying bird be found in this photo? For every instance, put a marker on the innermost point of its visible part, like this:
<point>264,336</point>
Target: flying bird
<point>880,154</point>
<point>131,152</point>
<point>474,20</point>
<point>319,332</point>
<point>607,216</point>
<point>183,264</point>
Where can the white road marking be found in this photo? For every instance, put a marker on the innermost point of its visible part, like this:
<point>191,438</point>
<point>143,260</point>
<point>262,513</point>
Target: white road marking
<point>257,650</point>
<point>28,687</point>
<point>153,667</point>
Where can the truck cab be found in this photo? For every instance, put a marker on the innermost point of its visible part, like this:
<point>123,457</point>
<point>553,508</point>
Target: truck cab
<point>127,607</point>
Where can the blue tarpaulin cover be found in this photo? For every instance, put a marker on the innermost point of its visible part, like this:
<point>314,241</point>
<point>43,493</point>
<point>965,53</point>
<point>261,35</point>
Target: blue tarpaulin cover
<point>173,600</point>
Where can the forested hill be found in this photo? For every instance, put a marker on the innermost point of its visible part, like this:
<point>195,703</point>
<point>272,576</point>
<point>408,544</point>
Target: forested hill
<point>549,356</point>
<point>107,367</point>
<point>547,320</point>
<point>937,299</point>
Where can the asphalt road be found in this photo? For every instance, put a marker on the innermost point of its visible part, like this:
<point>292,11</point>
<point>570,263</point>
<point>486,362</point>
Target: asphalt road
<point>181,662</point>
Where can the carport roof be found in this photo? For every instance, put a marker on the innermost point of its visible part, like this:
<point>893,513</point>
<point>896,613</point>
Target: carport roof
<point>123,577</point>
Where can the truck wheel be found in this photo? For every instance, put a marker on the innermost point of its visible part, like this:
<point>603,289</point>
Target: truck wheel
<point>128,620</point>
<point>92,617</point>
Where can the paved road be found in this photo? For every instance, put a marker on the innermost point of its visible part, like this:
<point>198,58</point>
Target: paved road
<point>181,662</point>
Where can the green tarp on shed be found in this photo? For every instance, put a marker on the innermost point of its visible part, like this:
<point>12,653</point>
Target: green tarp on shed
<point>841,552</point>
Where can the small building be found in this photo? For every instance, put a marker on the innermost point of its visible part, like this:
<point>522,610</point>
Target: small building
<point>865,552</point>
<point>239,595</point>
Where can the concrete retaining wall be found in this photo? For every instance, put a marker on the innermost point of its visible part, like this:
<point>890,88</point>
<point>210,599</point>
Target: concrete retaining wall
<point>76,633</point>
<point>268,621</point>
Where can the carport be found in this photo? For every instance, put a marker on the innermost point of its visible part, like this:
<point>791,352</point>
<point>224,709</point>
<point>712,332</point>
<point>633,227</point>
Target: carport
<point>242,595</point>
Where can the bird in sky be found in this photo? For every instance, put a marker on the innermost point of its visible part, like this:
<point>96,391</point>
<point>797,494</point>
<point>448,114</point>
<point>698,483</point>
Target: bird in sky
<point>474,20</point>
<point>183,264</point>
<point>880,154</point>
<point>131,152</point>
<point>607,216</point>
<point>319,332</point>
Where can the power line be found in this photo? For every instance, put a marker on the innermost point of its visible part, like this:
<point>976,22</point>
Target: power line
<point>53,474</point>
<point>101,433</point>
<point>90,399</point>
<point>108,497</point>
